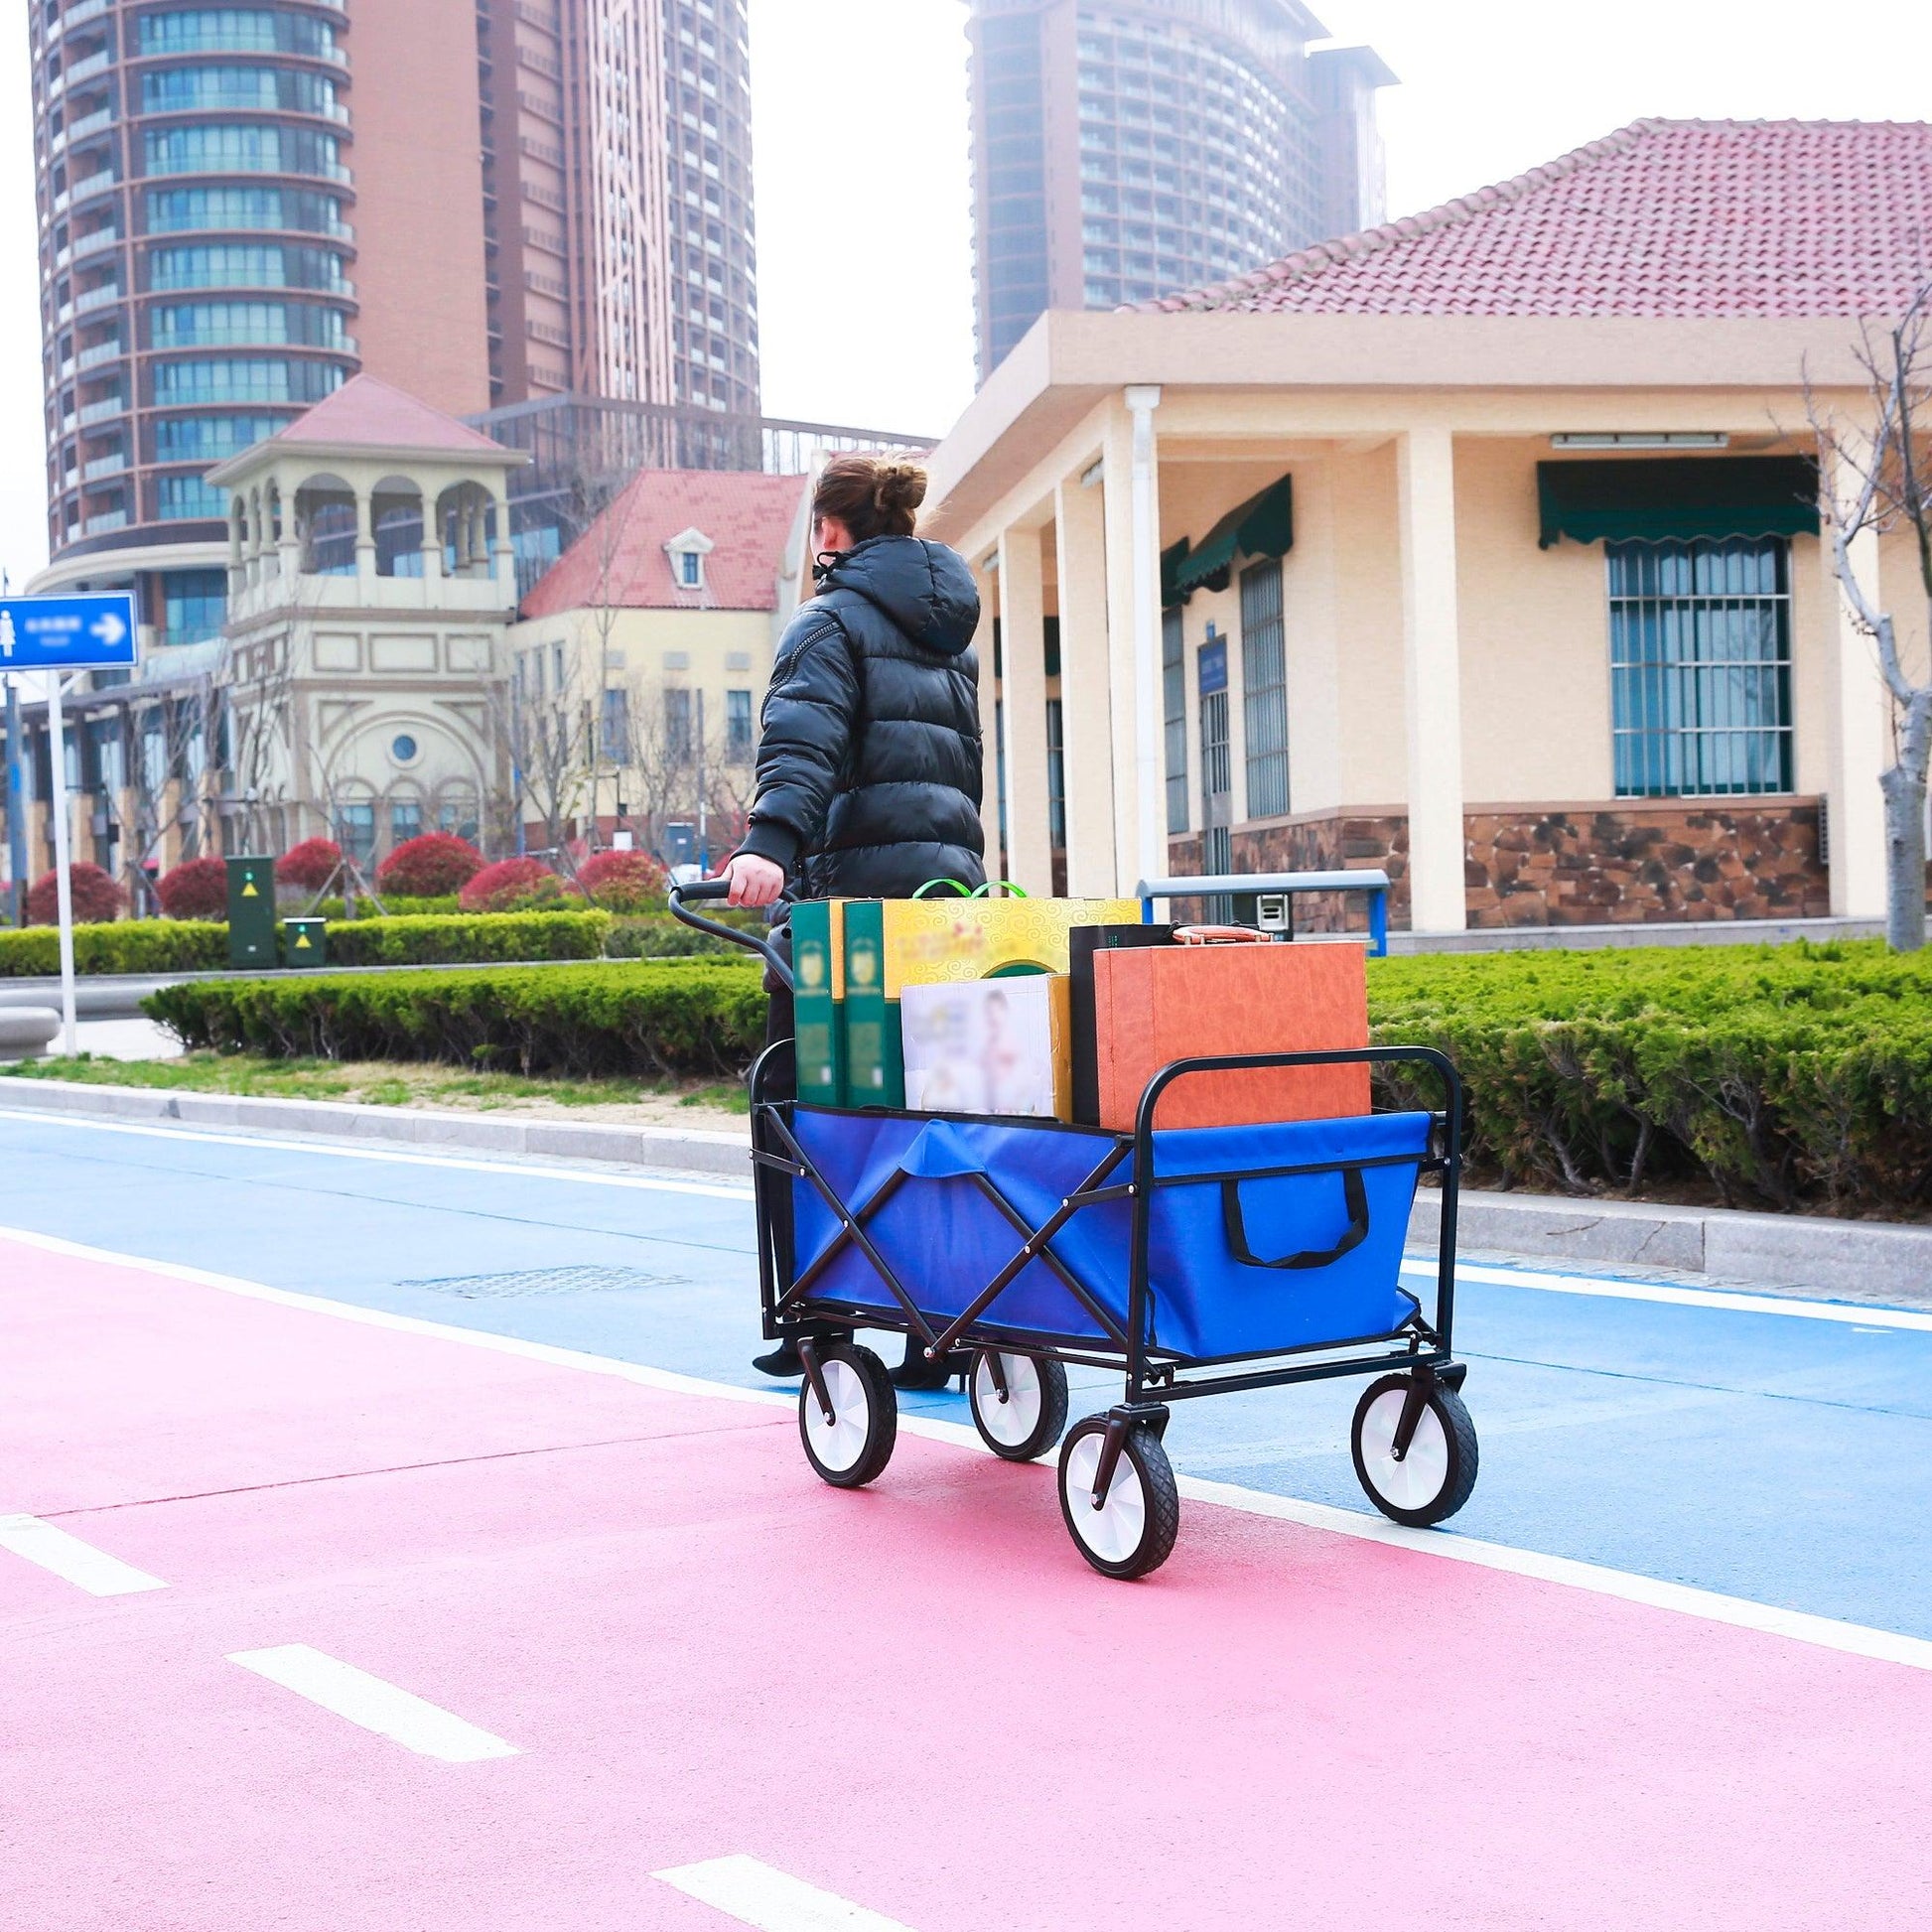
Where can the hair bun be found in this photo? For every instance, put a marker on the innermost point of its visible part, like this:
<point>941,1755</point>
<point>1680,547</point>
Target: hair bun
<point>899,488</point>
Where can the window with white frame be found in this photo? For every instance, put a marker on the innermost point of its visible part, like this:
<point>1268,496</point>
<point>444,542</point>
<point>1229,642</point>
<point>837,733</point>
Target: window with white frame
<point>1264,689</point>
<point>1701,667</point>
<point>687,554</point>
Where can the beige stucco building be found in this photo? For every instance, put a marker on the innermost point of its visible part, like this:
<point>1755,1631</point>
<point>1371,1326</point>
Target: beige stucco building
<point>371,584</point>
<point>641,659</point>
<point>1390,554</point>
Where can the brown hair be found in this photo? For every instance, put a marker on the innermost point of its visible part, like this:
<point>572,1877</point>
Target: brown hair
<point>872,497</point>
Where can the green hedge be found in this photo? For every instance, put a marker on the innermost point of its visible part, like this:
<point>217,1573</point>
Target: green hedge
<point>468,938</point>
<point>125,946</point>
<point>673,1017</point>
<point>394,906</point>
<point>657,935</point>
<point>1789,1076</point>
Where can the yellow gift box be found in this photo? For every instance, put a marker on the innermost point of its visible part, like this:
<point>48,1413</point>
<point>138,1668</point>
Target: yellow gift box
<point>929,941</point>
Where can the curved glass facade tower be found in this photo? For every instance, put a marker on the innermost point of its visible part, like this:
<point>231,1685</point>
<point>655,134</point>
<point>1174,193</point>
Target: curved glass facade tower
<point>196,255</point>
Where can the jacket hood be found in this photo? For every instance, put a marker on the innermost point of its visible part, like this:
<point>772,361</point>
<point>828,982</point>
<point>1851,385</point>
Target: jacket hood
<point>925,588</point>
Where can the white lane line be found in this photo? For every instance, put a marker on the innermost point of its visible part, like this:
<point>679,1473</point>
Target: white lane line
<point>95,1571</point>
<point>373,1704</point>
<point>643,1184</point>
<point>1730,1300</point>
<point>758,1894</point>
<point>1681,1599</point>
<point>1607,1288</point>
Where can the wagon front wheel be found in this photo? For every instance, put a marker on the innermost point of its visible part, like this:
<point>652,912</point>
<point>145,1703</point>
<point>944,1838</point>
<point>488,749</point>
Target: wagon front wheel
<point>848,1435</point>
<point>1018,1403</point>
<point>1433,1477</point>
<point>1131,1531</point>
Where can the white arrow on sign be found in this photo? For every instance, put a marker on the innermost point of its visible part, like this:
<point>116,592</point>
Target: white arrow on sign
<point>109,629</point>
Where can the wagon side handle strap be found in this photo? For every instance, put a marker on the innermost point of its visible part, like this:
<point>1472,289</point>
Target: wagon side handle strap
<point>1354,1196</point>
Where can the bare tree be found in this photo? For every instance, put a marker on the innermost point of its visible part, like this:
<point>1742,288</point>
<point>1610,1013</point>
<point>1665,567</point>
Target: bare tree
<point>256,691</point>
<point>681,767</point>
<point>543,719</point>
<point>1877,477</point>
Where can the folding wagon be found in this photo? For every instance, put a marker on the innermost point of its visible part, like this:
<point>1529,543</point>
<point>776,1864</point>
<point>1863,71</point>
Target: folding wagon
<point>1191,1261</point>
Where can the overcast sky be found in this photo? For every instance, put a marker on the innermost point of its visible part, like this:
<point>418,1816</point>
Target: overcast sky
<point>864,199</point>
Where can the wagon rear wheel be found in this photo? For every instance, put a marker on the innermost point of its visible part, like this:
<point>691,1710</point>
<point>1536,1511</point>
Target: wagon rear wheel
<point>1018,1403</point>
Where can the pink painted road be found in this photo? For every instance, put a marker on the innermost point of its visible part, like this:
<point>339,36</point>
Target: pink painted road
<point>916,1699</point>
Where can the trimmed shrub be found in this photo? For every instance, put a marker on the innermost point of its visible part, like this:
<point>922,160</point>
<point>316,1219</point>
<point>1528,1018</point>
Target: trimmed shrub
<point>395,906</point>
<point>198,889</point>
<point>431,866</point>
<point>511,885</point>
<point>657,935</point>
<point>96,899</point>
<point>482,938</point>
<point>677,1018</point>
<point>624,882</point>
<point>126,946</point>
<point>309,864</point>
<point>1786,1076</point>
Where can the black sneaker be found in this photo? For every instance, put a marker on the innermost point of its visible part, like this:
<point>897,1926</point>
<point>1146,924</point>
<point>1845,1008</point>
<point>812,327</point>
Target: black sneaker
<point>783,1361</point>
<point>916,1373</point>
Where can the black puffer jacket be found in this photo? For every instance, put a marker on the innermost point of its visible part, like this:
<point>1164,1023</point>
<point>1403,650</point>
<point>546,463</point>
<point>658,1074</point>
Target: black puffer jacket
<point>870,768</point>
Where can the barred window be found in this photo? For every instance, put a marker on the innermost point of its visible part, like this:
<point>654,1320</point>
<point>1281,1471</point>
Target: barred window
<point>1264,690</point>
<point>1701,667</point>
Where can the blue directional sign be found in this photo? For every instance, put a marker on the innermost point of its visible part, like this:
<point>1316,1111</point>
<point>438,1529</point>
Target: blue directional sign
<point>67,633</point>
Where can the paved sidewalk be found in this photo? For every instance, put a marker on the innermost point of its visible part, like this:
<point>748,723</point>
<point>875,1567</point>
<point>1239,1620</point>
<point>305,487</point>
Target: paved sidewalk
<point>446,1636</point>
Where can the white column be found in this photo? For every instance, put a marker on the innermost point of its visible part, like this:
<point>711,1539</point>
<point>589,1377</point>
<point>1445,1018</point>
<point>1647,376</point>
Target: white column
<point>1023,706</point>
<point>1859,714</point>
<point>1433,681</point>
<point>1086,707</point>
<point>1151,802</point>
<point>505,570</point>
<point>1133,636</point>
<point>365,540</point>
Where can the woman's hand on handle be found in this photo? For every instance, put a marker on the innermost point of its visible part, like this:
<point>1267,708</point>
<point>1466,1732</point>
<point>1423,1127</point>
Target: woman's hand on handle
<point>753,881</point>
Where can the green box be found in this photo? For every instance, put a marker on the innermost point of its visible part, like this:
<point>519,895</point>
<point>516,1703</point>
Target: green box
<point>305,942</point>
<point>875,1049</point>
<point>251,912</point>
<point>818,1001</point>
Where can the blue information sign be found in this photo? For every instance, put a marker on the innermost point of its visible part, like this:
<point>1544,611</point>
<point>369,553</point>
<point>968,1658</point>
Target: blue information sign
<point>67,633</point>
<point>1213,666</point>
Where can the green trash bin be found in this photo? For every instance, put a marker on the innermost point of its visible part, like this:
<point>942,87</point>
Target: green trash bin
<point>251,912</point>
<point>305,942</point>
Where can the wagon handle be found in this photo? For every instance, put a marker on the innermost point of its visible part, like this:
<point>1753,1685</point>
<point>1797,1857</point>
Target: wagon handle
<point>714,889</point>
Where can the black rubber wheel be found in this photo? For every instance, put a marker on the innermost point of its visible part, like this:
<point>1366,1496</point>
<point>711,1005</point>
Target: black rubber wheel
<point>1133,1532</point>
<point>1027,1421</point>
<point>857,1443</point>
<point>1433,1481</point>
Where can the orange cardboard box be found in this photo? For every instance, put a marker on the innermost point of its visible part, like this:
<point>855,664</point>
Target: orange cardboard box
<point>1159,1004</point>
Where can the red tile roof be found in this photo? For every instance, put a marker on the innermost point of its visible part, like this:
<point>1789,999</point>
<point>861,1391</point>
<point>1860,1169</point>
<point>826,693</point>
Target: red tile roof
<point>366,412</point>
<point>1681,218</point>
<point>620,561</point>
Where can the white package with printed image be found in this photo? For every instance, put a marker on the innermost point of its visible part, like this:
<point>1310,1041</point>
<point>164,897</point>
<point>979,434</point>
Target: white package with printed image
<point>987,1047</point>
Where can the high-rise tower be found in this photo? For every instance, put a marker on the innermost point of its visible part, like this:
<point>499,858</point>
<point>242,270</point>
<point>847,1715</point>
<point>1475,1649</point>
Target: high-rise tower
<point>1125,149</point>
<point>483,202</point>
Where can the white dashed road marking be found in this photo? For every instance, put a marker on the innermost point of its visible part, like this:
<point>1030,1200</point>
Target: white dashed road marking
<point>95,1571</point>
<point>756,1894</point>
<point>374,1704</point>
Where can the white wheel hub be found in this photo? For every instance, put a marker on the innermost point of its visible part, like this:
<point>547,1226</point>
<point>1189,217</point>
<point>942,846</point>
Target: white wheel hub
<point>840,1443</point>
<point>1016,1418</point>
<point>1112,1532</point>
<point>1422,1475</point>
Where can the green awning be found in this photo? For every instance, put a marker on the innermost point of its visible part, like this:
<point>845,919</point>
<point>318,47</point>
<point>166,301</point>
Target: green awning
<point>1262,526</point>
<point>1171,559</point>
<point>1660,499</point>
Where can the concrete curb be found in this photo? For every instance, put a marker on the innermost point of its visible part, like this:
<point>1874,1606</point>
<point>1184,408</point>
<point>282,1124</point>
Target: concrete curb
<point>1856,1261</point>
<point>686,1150</point>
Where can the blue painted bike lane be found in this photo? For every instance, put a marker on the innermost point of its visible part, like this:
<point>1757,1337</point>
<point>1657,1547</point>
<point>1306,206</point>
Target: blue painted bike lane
<point>1785,1457</point>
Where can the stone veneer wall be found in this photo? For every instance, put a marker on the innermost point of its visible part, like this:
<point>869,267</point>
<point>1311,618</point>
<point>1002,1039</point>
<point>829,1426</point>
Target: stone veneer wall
<point>1625,864</point>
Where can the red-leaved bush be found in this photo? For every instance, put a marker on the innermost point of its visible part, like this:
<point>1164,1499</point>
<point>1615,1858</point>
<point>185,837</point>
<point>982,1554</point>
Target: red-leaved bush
<point>431,866</point>
<point>624,882</point>
<point>510,885</point>
<point>96,899</point>
<point>198,889</point>
<point>308,865</point>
